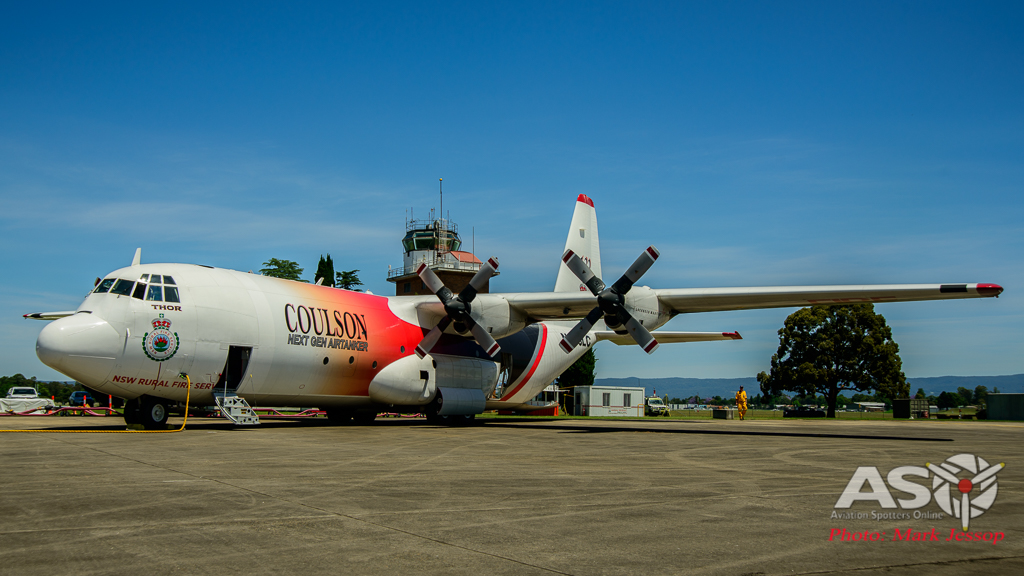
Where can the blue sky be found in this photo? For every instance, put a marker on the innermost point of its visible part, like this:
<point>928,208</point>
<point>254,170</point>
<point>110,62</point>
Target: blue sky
<point>752,143</point>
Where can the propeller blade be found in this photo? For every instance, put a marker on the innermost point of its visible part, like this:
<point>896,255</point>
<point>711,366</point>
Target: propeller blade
<point>479,279</point>
<point>428,342</point>
<point>638,269</point>
<point>484,339</point>
<point>642,336</point>
<point>583,272</point>
<point>580,330</point>
<point>433,283</point>
<point>987,473</point>
<point>965,511</point>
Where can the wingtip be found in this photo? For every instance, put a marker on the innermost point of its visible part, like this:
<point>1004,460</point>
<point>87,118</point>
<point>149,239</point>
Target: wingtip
<point>733,335</point>
<point>989,289</point>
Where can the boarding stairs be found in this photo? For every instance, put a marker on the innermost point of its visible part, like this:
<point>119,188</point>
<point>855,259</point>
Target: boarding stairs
<point>235,408</point>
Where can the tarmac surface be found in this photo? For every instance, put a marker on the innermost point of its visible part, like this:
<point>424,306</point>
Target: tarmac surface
<point>503,497</point>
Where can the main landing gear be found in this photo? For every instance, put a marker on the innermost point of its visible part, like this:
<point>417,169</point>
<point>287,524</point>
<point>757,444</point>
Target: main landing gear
<point>148,411</point>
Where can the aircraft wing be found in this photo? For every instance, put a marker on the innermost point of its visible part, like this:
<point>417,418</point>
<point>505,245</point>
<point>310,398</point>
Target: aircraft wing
<point>568,305</point>
<point>48,315</point>
<point>666,337</point>
<point>689,300</point>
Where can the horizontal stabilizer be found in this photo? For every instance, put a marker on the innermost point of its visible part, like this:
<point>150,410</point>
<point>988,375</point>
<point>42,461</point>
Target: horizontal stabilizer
<point>666,337</point>
<point>49,315</point>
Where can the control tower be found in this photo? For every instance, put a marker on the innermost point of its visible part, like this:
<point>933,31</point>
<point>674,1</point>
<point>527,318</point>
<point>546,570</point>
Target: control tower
<point>434,241</point>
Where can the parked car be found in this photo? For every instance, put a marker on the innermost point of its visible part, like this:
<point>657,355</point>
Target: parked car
<point>653,406</point>
<point>22,392</point>
<point>81,398</point>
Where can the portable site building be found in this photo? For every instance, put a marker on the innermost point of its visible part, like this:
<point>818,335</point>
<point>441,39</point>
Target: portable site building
<point>608,401</point>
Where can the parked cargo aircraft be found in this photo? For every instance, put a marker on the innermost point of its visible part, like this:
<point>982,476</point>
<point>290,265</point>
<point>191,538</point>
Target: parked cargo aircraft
<point>272,342</point>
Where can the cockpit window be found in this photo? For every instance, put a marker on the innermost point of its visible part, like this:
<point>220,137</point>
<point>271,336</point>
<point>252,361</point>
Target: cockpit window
<point>123,287</point>
<point>155,294</point>
<point>140,291</point>
<point>155,279</point>
<point>170,293</point>
<point>168,280</point>
<point>144,277</point>
<point>104,286</point>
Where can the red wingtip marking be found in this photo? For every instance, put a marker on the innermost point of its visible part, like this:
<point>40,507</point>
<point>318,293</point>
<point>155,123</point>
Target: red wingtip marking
<point>585,199</point>
<point>990,289</point>
<point>733,335</point>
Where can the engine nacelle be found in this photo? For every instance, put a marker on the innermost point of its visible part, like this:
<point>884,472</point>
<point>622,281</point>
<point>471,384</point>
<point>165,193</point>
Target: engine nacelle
<point>496,315</point>
<point>642,303</point>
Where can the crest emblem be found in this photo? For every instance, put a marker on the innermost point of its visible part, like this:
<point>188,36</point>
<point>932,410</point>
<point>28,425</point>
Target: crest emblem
<point>160,344</point>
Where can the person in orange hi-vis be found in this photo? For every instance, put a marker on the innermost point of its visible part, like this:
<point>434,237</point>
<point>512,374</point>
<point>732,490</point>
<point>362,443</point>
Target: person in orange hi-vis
<point>741,402</point>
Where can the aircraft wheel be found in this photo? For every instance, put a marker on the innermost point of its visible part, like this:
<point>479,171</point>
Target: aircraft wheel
<point>131,413</point>
<point>154,412</point>
<point>338,416</point>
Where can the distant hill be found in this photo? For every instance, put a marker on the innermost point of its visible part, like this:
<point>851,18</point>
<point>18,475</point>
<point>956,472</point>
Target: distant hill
<point>726,387</point>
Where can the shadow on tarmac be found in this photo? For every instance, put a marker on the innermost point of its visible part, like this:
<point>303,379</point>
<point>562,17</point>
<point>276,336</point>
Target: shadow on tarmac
<point>553,425</point>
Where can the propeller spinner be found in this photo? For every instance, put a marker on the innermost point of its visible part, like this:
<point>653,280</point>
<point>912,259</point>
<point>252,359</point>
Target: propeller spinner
<point>457,308</point>
<point>610,301</point>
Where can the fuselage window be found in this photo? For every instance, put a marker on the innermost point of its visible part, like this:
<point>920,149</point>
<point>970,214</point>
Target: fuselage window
<point>171,294</point>
<point>104,286</point>
<point>140,291</point>
<point>168,280</point>
<point>155,294</point>
<point>144,277</point>
<point>123,287</point>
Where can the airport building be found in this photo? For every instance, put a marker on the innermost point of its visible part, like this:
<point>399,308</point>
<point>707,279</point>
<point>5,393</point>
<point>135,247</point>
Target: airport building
<point>1005,406</point>
<point>608,401</point>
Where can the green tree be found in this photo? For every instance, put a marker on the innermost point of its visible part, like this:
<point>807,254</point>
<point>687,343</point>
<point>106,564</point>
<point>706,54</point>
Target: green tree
<point>282,269</point>
<point>920,394</point>
<point>325,270</point>
<point>965,394</point>
<point>581,373</point>
<point>348,279</point>
<point>981,396</point>
<point>828,349</point>
<point>949,400</point>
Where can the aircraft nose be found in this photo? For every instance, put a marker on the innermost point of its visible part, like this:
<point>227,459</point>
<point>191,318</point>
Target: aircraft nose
<point>83,346</point>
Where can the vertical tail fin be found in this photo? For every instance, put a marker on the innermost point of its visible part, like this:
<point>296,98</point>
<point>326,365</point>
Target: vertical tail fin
<point>583,241</point>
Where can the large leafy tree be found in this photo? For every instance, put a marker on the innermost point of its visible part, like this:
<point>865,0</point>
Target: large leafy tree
<point>282,269</point>
<point>325,270</point>
<point>349,279</point>
<point>829,349</point>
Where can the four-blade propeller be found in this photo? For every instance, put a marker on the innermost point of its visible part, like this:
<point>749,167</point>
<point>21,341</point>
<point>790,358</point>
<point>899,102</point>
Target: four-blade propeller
<point>610,301</point>
<point>457,308</point>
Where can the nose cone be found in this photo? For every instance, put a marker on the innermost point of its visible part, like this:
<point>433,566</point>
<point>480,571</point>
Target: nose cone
<point>83,346</point>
